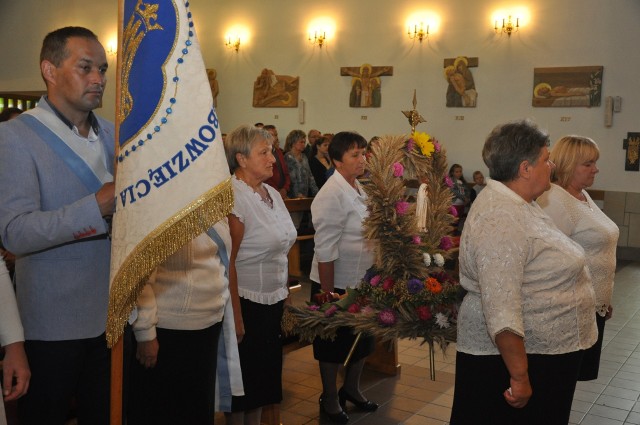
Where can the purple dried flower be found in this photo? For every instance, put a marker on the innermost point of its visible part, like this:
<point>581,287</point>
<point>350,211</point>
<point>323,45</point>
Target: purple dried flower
<point>369,274</point>
<point>313,307</point>
<point>414,286</point>
<point>453,211</point>
<point>387,317</point>
<point>417,239</point>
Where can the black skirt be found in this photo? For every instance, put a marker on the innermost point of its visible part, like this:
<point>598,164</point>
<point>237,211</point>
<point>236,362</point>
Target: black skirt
<point>260,356</point>
<point>591,361</point>
<point>336,351</point>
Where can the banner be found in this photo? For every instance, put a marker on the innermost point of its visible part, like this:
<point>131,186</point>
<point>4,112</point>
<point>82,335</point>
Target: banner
<point>172,179</point>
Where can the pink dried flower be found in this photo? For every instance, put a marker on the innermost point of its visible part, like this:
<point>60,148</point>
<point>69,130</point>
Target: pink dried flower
<point>367,309</point>
<point>375,280</point>
<point>387,317</point>
<point>424,312</point>
<point>453,211</point>
<point>354,308</point>
<point>446,243</point>
<point>410,144</point>
<point>313,307</point>
<point>388,284</point>
<point>436,145</point>
<point>402,207</point>
<point>448,181</point>
<point>398,169</point>
<point>330,311</point>
<point>417,239</point>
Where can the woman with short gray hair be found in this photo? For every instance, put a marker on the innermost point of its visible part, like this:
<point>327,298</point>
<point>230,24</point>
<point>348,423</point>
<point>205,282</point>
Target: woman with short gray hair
<point>528,314</point>
<point>261,235</point>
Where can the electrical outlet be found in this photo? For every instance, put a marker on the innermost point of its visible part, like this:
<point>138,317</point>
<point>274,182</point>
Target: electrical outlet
<point>275,117</point>
<point>363,117</point>
<point>565,119</point>
<point>459,117</point>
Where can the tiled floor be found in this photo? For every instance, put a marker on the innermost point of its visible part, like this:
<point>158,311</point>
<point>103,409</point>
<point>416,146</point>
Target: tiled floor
<point>411,398</point>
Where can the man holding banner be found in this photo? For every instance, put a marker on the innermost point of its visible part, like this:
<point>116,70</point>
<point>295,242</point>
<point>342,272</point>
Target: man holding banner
<point>56,168</point>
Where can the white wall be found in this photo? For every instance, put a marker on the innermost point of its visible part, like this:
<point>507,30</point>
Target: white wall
<point>560,33</point>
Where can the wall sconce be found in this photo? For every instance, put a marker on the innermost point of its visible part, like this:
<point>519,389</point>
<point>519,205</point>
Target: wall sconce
<point>507,26</point>
<point>233,44</point>
<point>318,38</point>
<point>112,48</point>
<point>418,33</point>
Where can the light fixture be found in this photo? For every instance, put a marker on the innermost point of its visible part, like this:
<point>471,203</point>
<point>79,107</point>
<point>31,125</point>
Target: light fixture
<point>507,26</point>
<point>112,47</point>
<point>318,38</point>
<point>233,43</point>
<point>418,32</point>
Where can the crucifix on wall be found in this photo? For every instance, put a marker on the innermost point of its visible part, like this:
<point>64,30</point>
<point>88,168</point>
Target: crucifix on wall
<point>632,145</point>
<point>365,84</point>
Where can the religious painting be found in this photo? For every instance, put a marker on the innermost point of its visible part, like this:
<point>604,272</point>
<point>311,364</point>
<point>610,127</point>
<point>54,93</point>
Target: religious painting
<point>632,145</point>
<point>461,88</point>
<point>567,86</point>
<point>275,91</point>
<point>366,86</point>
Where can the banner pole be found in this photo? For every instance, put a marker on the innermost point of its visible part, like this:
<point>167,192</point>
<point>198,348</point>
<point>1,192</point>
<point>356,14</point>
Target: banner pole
<point>117,351</point>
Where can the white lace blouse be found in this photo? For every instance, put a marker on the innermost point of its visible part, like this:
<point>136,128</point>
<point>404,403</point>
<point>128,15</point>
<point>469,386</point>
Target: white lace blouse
<point>523,275</point>
<point>586,224</point>
<point>262,264</point>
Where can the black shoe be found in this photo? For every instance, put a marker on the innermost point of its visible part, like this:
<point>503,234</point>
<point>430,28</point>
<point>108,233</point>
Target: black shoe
<point>338,418</point>
<point>367,405</point>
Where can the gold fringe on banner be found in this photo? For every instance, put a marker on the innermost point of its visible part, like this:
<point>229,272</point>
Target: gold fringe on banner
<point>190,222</point>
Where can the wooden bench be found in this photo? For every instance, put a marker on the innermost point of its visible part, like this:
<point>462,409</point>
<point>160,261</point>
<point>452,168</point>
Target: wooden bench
<point>297,205</point>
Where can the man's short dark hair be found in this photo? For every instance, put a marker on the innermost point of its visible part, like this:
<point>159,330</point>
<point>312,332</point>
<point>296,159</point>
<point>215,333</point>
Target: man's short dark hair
<point>55,43</point>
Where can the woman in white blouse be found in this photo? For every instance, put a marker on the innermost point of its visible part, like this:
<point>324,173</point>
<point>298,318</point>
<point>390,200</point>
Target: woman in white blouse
<point>342,256</point>
<point>528,314</point>
<point>261,235</point>
<point>15,365</point>
<point>574,212</point>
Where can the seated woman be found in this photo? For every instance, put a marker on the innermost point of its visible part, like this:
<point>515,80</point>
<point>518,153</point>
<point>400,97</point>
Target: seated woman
<point>261,235</point>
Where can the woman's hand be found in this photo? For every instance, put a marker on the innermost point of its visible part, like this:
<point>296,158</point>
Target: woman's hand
<point>609,313</point>
<point>15,366</point>
<point>519,393</point>
<point>239,323</point>
<point>147,353</point>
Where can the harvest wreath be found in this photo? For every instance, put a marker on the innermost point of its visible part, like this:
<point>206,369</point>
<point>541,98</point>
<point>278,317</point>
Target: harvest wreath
<point>406,293</point>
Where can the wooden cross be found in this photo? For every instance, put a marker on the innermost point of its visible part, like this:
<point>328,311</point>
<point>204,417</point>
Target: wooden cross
<point>632,145</point>
<point>365,84</point>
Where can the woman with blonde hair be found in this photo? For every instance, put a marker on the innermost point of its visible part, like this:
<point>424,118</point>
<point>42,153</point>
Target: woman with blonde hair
<point>576,215</point>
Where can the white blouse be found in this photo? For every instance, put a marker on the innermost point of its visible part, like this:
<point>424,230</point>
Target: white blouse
<point>337,212</point>
<point>523,275</point>
<point>586,224</point>
<point>262,265</point>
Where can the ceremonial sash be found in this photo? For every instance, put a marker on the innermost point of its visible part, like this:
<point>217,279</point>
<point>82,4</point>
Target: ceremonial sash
<point>229,375</point>
<point>70,158</point>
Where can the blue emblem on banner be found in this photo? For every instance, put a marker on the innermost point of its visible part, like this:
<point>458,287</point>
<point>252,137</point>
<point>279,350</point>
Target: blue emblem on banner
<point>149,37</point>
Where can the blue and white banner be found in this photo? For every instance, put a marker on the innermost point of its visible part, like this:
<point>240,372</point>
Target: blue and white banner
<point>172,178</point>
